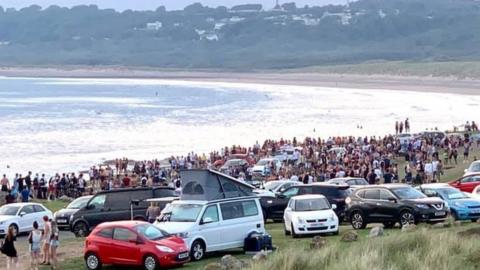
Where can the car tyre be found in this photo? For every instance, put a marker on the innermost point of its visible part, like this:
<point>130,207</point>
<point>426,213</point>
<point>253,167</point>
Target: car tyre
<point>336,232</point>
<point>406,217</point>
<point>150,263</point>
<point>389,224</point>
<point>474,220</point>
<point>454,215</point>
<point>294,235</point>
<point>15,229</point>
<point>80,229</point>
<point>286,231</point>
<point>358,220</point>
<point>197,252</point>
<point>92,262</point>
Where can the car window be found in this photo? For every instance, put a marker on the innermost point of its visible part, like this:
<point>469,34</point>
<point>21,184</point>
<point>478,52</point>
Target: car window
<point>38,208</point>
<point>239,209</point>
<point>361,182</point>
<point>372,194</point>
<point>106,233</point>
<point>351,182</point>
<point>28,209</point>
<point>386,195</point>
<point>124,235</point>
<point>291,192</point>
<point>162,192</point>
<point>467,180</point>
<point>98,201</point>
<point>290,203</point>
<point>361,194</point>
<point>430,192</point>
<point>212,213</point>
<point>305,190</point>
<point>118,201</point>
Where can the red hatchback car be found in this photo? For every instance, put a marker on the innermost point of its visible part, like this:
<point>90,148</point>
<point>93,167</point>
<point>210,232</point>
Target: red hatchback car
<point>466,183</point>
<point>133,243</point>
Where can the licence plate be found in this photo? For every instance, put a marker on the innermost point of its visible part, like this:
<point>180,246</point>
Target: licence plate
<point>476,211</point>
<point>183,255</point>
<point>61,220</point>
<point>440,214</point>
<point>317,224</point>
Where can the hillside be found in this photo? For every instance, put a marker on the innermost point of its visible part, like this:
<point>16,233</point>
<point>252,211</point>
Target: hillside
<point>244,37</point>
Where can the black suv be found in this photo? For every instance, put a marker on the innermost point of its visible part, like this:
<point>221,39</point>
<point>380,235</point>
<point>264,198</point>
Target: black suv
<point>273,207</point>
<point>392,203</point>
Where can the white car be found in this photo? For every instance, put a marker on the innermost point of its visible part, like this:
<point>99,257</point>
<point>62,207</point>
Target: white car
<point>473,168</point>
<point>271,188</point>
<point>353,182</point>
<point>262,167</point>
<point>310,214</point>
<point>208,226</point>
<point>476,192</point>
<point>20,216</point>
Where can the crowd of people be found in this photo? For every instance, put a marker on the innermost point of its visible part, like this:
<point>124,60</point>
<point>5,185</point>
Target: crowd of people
<point>43,245</point>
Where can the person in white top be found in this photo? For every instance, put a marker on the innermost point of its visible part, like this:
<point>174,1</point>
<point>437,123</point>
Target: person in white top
<point>35,240</point>
<point>435,170</point>
<point>429,171</point>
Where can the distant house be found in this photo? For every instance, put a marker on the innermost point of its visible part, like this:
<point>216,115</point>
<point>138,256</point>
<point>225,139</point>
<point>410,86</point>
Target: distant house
<point>247,8</point>
<point>154,26</point>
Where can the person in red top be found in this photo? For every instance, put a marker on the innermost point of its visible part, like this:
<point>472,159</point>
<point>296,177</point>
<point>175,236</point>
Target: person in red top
<point>126,181</point>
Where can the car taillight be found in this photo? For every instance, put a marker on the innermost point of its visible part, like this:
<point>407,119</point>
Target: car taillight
<point>348,200</point>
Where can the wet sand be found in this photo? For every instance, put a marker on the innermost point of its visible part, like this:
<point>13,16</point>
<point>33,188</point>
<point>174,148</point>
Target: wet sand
<point>297,78</point>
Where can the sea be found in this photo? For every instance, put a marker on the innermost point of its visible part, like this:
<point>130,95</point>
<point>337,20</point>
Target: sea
<point>51,125</point>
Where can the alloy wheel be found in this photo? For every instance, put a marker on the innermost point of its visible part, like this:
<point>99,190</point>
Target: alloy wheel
<point>150,263</point>
<point>357,221</point>
<point>407,218</point>
<point>92,262</point>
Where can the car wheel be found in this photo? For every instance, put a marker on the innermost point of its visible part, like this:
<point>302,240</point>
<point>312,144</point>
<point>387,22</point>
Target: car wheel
<point>357,220</point>
<point>336,232</point>
<point>406,217</point>
<point>150,263</point>
<point>197,251</point>
<point>80,229</point>
<point>454,215</point>
<point>92,262</point>
<point>294,235</point>
<point>389,224</point>
<point>14,228</point>
<point>474,220</point>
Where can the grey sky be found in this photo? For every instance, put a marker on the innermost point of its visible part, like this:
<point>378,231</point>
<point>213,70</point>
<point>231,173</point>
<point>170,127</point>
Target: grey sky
<point>152,4</point>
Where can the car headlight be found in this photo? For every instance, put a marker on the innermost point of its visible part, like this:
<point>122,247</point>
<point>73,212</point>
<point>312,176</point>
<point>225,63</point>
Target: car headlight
<point>164,249</point>
<point>422,206</point>
<point>332,217</point>
<point>183,234</point>
<point>301,221</point>
<point>458,204</point>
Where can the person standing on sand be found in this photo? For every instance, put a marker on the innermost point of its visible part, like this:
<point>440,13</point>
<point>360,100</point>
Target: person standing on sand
<point>407,125</point>
<point>8,248</point>
<point>35,240</point>
<point>47,231</point>
<point>400,128</point>
<point>396,127</point>
<point>5,184</point>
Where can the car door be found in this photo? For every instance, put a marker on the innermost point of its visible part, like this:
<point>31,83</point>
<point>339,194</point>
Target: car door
<point>103,241</point>
<point>280,202</point>
<point>94,212</point>
<point>126,250</point>
<point>26,218</point>
<point>387,205</point>
<point>40,212</point>
<point>210,229</point>
<point>372,202</point>
<point>287,216</point>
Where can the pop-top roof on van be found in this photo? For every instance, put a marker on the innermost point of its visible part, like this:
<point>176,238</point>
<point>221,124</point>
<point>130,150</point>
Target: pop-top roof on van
<point>209,185</point>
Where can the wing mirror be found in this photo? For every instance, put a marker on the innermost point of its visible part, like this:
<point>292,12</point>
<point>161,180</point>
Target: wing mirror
<point>466,170</point>
<point>334,207</point>
<point>22,214</point>
<point>90,206</point>
<point>281,196</point>
<point>393,200</point>
<point>207,220</point>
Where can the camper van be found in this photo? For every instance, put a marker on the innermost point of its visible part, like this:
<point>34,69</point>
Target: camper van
<point>215,212</point>
<point>208,226</point>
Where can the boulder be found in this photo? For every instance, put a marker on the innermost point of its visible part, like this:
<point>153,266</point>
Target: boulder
<point>260,256</point>
<point>409,228</point>
<point>213,266</point>
<point>65,199</point>
<point>376,231</point>
<point>350,236</point>
<point>318,242</point>
<point>229,262</point>
<point>470,232</point>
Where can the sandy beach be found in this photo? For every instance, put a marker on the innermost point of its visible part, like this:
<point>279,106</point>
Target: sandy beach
<point>294,78</point>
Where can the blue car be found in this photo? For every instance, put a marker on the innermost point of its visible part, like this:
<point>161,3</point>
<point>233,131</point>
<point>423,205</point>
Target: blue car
<point>462,207</point>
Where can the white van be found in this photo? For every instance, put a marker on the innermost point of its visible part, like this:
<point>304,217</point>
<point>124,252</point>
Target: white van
<point>208,226</point>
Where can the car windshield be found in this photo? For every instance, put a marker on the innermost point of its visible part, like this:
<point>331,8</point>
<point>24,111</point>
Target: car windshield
<point>8,210</point>
<point>150,232</point>
<point>263,162</point>
<point>311,205</point>
<point>408,193</point>
<point>78,203</point>
<point>272,185</point>
<point>452,193</point>
<point>185,212</point>
<point>475,167</point>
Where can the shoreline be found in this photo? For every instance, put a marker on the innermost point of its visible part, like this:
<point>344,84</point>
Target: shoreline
<point>449,85</point>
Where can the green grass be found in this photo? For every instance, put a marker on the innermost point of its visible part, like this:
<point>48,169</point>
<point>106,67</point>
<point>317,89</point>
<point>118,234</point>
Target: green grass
<point>54,206</point>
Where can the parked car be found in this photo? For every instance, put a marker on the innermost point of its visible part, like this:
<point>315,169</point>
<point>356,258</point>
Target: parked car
<point>20,217</point>
<point>116,205</point>
<point>249,159</point>
<point>263,166</point>
<point>287,153</point>
<point>273,207</point>
<point>272,187</point>
<point>392,203</point>
<point>476,192</point>
<point>354,183</point>
<point>310,214</point>
<point>461,206</point>
<point>208,226</point>
<point>405,138</point>
<point>62,216</point>
<point>466,183</point>
<point>133,243</point>
<point>232,164</point>
<point>474,168</point>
